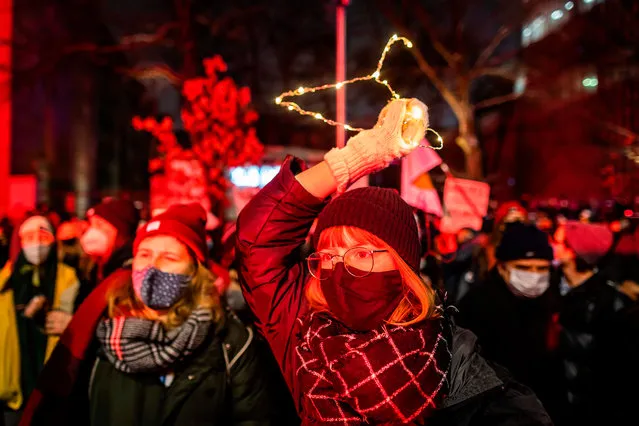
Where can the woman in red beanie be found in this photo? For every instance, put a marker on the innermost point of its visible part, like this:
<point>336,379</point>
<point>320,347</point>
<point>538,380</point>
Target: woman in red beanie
<point>168,353</point>
<point>360,338</point>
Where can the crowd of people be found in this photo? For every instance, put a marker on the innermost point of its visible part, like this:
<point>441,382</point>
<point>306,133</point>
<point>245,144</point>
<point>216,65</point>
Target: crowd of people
<point>319,306</point>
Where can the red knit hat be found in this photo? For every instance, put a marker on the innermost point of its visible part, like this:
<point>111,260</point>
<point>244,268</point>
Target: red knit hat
<point>122,214</point>
<point>506,208</point>
<point>589,241</point>
<point>380,211</point>
<point>185,222</point>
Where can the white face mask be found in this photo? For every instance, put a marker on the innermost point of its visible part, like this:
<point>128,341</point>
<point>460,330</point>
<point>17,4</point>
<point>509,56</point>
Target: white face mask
<point>95,242</point>
<point>528,284</point>
<point>36,254</point>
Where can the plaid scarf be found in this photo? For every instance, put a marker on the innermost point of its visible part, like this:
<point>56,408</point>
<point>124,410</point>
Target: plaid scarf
<point>394,375</point>
<point>135,345</point>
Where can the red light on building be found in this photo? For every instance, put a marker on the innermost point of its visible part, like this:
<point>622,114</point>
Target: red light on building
<point>628,213</point>
<point>6,30</point>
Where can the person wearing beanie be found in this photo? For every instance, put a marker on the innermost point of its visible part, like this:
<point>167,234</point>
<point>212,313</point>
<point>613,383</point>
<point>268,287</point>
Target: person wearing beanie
<point>168,352</point>
<point>513,311</point>
<point>508,212</point>
<point>359,336</point>
<point>593,296</point>
<point>37,294</point>
<point>107,242</point>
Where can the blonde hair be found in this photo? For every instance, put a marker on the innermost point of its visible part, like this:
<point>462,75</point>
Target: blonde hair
<point>200,293</point>
<point>418,302</point>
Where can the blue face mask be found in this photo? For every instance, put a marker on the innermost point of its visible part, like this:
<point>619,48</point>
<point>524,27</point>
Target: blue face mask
<point>158,289</point>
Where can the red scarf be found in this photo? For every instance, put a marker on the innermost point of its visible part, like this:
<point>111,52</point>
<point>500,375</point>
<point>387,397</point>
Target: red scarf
<point>395,375</point>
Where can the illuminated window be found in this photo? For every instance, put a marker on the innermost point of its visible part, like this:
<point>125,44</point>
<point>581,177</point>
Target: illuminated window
<point>538,28</point>
<point>253,176</point>
<point>590,83</point>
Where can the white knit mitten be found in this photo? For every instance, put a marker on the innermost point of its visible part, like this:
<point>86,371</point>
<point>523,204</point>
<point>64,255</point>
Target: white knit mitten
<point>371,150</point>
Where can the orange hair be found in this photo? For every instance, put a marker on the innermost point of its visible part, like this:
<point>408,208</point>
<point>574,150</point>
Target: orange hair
<point>418,302</point>
<point>201,293</point>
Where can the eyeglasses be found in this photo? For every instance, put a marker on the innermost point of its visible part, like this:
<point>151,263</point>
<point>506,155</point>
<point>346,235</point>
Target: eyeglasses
<point>358,261</point>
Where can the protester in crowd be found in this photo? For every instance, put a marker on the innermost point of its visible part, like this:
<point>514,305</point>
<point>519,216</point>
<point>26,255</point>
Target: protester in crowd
<point>37,294</point>
<point>169,353</point>
<point>362,339</point>
<point>461,272</point>
<point>514,312</point>
<point>591,300</point>
<point>509,212</point>
<point>617,346</point>
<point>69,249</point>
<point>108,241</point>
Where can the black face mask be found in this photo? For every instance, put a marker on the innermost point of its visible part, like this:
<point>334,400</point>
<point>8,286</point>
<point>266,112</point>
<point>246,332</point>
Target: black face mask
<point>364,303</point>
<point>70,243</point>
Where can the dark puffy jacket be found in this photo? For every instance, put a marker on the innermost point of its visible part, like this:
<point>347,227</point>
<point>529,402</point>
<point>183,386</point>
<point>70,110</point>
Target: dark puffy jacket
<point>211,388</point>
<point>521,334</point>
<point>588,316</point>
<point>272,230</point>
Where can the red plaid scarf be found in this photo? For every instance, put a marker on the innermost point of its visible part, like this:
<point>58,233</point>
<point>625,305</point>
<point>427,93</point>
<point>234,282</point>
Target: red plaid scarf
<point>396,375</point>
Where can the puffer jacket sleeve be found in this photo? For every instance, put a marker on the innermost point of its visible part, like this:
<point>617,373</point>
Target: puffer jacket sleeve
<point>271,231</point>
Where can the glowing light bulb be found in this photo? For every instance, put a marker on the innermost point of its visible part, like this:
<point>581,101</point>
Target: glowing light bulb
<point>417,113</point>
<point>394,37</point>
<point>290,108</point>
<point>301,90</point>
<point>375,75</point>
<point>409,44</point>
<point>278,100</point>
<point>318,116</point>
<point>339,85</point>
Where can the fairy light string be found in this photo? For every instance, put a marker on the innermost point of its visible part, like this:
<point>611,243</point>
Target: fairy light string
<point>375,76</point>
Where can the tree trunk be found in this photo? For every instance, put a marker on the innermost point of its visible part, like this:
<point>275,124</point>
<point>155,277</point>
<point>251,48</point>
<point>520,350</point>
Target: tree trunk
<point>83,137</point>
<point>467,141</point>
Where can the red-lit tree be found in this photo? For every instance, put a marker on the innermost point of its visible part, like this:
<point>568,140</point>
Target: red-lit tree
<point>219,121</point>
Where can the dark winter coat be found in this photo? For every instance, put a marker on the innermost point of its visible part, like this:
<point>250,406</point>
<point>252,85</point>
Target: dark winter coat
<point>272,230</point>
<point>207,389</point>
<point>589,314</point>
<point>519,333</point>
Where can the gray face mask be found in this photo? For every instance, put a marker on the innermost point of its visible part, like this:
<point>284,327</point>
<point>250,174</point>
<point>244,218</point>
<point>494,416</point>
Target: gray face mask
<point>36,254</point>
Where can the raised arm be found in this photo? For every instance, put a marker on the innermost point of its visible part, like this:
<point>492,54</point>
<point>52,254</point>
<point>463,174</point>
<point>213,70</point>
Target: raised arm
<point>271,231</point>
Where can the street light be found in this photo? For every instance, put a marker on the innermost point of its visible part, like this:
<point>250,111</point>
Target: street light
<point>340,70</point>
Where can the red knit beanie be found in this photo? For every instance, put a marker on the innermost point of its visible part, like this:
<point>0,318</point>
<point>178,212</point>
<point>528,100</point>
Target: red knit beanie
<point>380,211</point>
<point>505,209</point>
<point>589,241</point>
<point>184,222</point>
<point>122,214</point>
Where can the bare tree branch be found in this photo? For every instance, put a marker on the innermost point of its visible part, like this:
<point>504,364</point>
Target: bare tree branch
<point>494,72</point>
<point>452,58</point>
<point>153,72</point>
<point>446,93</point>
<point>496,101</point>
<point>494,44</point>
<point>425,67</point>
<point>127,43</point>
